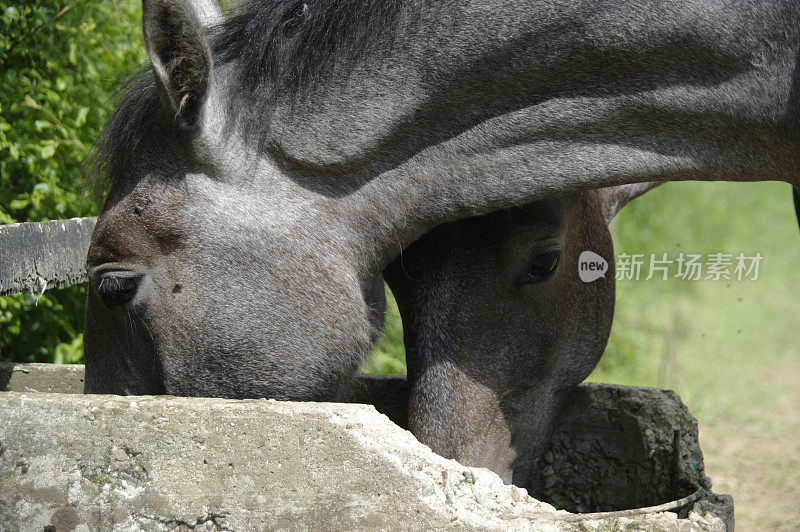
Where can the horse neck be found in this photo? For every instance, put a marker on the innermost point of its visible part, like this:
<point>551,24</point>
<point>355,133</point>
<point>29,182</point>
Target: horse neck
<point>468,107</point>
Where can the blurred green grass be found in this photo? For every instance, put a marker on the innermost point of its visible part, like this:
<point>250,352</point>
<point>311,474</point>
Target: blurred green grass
<point>730,349</point>
<point>705,338</point>
<point>388,355</point>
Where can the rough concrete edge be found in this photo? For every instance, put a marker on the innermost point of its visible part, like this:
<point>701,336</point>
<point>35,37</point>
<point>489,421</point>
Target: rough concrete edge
<point>44,378</point>
<point>476,497</point>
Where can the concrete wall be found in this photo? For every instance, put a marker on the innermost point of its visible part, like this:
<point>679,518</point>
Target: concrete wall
<point>74,462</point>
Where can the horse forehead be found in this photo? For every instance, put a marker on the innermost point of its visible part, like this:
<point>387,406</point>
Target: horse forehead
<point>536,221</point>
<point>227,204</point>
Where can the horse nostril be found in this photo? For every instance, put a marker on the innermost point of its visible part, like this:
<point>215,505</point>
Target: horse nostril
<point>117,288</point>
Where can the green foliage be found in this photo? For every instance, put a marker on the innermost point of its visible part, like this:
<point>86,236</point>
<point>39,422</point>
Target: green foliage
<point>61,62</point>
<point>698,336</point>
<point>389,353</point>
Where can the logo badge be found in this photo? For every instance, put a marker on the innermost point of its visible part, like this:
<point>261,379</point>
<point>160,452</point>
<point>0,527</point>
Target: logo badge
<point>591,266</point>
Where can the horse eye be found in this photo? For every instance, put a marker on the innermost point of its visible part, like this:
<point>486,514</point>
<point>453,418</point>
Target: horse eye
<point>117,288</point>
<point>543,263</point>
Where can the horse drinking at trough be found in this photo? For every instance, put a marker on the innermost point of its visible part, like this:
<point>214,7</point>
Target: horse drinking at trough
<point>265,171</point>
<point>499,327</point>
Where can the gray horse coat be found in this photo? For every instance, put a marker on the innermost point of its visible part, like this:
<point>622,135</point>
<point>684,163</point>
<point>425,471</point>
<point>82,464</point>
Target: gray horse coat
<point>267,170</point>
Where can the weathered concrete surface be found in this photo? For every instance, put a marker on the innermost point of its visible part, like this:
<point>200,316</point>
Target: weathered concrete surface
<point>164,463</point>
<point>46,378</point>
<point>388,393</point>
<point>41,255</point>
<point>173,463</point>
<point>157,463</point>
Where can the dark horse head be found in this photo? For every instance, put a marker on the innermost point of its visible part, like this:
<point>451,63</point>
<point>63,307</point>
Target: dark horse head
<point>501,323</point>
<point>266,170</point>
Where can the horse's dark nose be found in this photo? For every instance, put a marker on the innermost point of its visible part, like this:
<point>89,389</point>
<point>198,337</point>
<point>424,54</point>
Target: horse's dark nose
<point>116,288</point>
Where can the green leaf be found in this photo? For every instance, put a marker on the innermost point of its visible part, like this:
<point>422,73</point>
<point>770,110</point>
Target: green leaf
<point>83,112</point>
<point>30,102</point>
<point>48,151</point>
<point>18,204</point>
<point>11,14</point>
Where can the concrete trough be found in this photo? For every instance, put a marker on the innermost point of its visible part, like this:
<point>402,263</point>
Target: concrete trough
<point>75,462</point>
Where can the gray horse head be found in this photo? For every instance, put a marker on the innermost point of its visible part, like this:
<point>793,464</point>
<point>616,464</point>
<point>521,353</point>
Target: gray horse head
<point>499,325</point>
<point>265,171</point>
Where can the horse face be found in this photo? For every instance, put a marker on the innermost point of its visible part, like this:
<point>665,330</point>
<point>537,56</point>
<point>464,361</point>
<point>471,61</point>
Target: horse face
<point>198,287</point>
<point>499,327</point>
<point>211,273</point>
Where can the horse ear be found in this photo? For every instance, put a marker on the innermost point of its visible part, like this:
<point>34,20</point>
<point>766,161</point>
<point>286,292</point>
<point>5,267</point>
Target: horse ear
<point>615,198</point>
<point>180,53</point>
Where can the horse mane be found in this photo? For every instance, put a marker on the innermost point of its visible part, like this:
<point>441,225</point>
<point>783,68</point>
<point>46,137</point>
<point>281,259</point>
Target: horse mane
<point>134,120</point>
<point>283,46</point>
<point>275,47</point>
